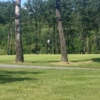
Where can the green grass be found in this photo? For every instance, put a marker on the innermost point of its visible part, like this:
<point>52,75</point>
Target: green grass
<point>40,84</point>
<point>75,60</point>
<point>50,84</point>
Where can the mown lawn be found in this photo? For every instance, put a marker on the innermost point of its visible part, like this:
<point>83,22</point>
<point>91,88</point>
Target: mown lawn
<point>51,84</point>
<point>75,60</point>
<point>44,84</point>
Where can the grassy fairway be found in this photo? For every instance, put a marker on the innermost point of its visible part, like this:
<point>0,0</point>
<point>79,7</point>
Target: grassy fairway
<point>49,84</point>
<point>87,60</point>
<point>39,84</point>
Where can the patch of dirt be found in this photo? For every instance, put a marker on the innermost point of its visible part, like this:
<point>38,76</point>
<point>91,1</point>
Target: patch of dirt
<point>62,63</point>
<point>72,63</point>
<point>90,61</point>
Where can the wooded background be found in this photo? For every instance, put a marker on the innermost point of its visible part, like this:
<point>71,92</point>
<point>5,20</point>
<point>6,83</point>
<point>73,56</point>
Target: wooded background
<point>81,23</point>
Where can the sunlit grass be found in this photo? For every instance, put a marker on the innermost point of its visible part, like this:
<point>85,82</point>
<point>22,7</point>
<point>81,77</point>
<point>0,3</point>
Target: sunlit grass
<point>75,60</point>
<point>39,84</point>
<point>49,84</point>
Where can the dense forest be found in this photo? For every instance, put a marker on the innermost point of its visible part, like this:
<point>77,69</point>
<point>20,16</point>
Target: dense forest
<point>81,24</point>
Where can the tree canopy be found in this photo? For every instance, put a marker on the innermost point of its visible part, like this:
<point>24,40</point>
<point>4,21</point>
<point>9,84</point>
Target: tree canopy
<point>80,18</point>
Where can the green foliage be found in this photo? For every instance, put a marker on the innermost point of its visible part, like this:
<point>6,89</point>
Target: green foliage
<point>3,52</point>
<point>80,23</point>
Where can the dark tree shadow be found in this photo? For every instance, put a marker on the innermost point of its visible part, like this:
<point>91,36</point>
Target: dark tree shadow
<point>80,60</point>
<point>96,59</point>
<point>7,79</point>
<point>22,72</point>
<point>93,59</point>
<point>16,76</point>
<point>49,61</point>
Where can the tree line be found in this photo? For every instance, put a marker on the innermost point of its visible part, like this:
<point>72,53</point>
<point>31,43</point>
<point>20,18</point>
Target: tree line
<point>81,24</point>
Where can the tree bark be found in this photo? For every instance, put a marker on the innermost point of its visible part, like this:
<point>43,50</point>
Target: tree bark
<point>9,50</point>
<point>8,46</point>
<point>64,57</point>
<point>18,43</point>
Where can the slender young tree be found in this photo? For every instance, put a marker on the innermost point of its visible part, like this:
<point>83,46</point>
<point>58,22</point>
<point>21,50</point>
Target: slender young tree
<point>9,50</point>
<point>64,57</point>
<point>18,43</point>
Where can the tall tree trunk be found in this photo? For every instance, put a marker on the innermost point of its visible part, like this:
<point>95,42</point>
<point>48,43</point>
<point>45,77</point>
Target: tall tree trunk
<point>87,44</point>
<point>64,57</point>
<point>18,45</point>
<point>9,50</point>
<point>36,34</point>
<point>8,46</point>
<point>54,41</point>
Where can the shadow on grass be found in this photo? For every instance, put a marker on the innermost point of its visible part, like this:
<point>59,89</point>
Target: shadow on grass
<point>47,61</point>
<point>93,59</point>
<point>16,76</point>
<point>96,59</point>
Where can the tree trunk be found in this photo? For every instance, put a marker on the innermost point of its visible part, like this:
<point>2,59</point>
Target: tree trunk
<point>87,43</point>
<point>36,34</point>
<point>18,44</point>
<point>64,57</point>
<point>8,46</point>
<point>9,50</point>
<point>54,39</point>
